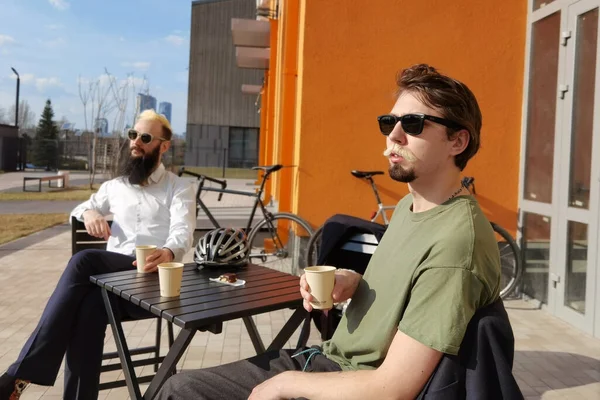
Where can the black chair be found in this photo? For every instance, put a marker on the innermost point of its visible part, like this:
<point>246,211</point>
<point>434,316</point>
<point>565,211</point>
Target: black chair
<point>81,240</point>
<point>483,367</point>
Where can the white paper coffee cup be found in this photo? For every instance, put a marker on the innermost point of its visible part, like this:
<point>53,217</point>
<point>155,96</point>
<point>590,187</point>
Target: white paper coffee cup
<point>141,252</point>
<point>320,280</point>
<point>169,278</point>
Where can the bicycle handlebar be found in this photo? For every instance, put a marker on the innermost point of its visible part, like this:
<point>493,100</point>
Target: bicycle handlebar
<point>203,178</point>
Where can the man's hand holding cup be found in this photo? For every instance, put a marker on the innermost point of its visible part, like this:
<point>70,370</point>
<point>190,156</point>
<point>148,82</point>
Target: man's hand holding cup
<point>148,258</point>
<point>321,286</point>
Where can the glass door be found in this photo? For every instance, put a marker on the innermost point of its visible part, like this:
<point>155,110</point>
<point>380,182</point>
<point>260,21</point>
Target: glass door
<point>576,174</point>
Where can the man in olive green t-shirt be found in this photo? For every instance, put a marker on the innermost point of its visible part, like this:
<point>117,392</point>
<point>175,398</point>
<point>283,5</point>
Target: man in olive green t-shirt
<point>437,264</point>
<point>430,273</point>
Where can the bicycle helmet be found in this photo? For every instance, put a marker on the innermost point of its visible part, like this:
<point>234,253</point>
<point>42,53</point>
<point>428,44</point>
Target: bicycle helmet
<point>222,247</point>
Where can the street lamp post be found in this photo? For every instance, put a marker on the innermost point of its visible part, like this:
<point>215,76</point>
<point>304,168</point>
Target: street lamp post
<point>17,103</point>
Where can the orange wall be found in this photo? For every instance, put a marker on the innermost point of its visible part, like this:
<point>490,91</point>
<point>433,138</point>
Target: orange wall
<point>350,55</point>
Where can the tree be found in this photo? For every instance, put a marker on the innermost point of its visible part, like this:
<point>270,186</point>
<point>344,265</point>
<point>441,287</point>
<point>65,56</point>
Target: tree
<point>45,149</point>
<point>103,98</point>
<point>2,116</point>
<point>97,91</point>
<point>26,116</point>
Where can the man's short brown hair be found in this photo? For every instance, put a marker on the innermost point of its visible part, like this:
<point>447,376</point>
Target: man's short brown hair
<point>452,98</point>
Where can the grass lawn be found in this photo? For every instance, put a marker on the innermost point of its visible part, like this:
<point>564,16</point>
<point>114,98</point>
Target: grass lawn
<point>82,192</point>
<point>19,225</point>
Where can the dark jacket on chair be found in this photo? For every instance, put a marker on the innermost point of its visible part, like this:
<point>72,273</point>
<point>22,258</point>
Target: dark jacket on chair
<point>483,367</point>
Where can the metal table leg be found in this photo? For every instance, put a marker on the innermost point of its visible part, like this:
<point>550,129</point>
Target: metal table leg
<point>124,356</point>
<point>170,362</point>
<point>305,332</point>
<point>254,336</point>
<point>288,329</point>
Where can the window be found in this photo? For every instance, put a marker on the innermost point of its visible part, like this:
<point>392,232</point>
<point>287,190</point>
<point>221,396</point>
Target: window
<point>243,147</point>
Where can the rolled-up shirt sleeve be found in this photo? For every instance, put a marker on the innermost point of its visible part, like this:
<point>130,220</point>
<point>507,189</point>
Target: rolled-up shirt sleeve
<point>98,202</point>
<point>183,221</point>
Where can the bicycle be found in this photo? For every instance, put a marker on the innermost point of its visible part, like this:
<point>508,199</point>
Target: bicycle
<point>279,240</point>
<point>315,240</point>
<point>510,254</point>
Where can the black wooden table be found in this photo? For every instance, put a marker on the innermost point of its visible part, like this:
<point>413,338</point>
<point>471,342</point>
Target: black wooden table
<point>205,305</point>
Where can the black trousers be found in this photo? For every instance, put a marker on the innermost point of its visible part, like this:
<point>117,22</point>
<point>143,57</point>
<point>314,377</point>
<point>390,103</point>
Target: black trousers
<point>74,323</point>
<point>236,380</point>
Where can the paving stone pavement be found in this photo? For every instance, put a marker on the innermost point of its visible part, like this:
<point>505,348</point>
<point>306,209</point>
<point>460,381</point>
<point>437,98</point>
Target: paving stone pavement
<point>552,359</point>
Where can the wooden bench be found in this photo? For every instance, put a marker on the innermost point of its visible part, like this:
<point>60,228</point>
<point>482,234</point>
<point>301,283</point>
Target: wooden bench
<point>41,179</point>
<point>81,240</point>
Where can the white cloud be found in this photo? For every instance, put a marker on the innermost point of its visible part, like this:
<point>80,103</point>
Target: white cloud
<point>27,78</point>
<point>55,27</point>
<point>53,43</point>
<point>43,83</point>
<point>5,39</point>
<point>59,4</point>
<point>138,83</point>
<point>175,40</point>
<point>105,80</point>
<point>40,83</point>
<point>143,65</point>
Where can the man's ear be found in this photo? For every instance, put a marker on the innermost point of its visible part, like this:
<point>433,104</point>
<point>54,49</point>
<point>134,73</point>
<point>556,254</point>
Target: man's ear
<point>460,141</point>
<point>164,147</point>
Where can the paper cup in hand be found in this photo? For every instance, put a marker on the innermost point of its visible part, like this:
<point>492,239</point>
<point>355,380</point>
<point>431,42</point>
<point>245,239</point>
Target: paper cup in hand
<point>169,278</point>
<point>320,280</point>
<point>141,252</point>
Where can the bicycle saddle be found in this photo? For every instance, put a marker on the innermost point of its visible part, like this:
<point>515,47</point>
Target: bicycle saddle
<point>269,168</point>
<point>366,174</point>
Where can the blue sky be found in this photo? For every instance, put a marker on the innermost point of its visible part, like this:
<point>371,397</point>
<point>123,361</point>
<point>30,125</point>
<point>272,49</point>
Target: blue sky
<point>51,43</point>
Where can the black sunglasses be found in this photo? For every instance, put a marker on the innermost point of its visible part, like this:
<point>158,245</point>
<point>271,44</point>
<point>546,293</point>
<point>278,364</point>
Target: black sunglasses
<point>145,137</point>
<point>412,123</point>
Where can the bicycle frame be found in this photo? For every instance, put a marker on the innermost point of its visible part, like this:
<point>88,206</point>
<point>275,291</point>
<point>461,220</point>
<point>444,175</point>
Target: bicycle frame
<point>382,211</point>
<point>380,207</point>
<point>257,195</point>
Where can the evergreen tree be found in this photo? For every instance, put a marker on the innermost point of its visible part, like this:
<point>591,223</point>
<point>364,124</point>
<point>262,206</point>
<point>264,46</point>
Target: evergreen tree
<point>45,149</point>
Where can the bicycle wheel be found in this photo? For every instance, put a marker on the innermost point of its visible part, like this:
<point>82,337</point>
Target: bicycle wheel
<point>314,247</point>
<point>510,261</point>
<point>279,242</point>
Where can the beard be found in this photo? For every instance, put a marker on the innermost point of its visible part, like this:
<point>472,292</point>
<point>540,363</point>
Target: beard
<point>398,173</point>
<point>137,170</point>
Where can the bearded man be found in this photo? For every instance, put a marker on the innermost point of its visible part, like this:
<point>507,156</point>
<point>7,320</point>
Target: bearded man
<point>149,206</point>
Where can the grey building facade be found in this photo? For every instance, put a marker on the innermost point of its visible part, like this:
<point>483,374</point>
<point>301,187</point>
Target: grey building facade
<point>222,122</point>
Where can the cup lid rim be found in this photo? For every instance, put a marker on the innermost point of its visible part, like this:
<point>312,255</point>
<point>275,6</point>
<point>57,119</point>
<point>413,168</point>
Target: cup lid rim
<point>171,265</point>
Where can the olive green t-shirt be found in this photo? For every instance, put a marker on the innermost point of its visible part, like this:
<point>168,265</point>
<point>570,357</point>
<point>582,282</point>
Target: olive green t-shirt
<point>431,271</point>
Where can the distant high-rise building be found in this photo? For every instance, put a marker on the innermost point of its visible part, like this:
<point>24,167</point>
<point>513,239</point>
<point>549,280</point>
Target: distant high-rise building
<point>164,108</point>
<point>145,102</point>
<point>101,126</point>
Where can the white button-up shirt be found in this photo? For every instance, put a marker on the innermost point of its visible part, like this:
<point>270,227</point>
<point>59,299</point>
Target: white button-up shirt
<point>162,213</point>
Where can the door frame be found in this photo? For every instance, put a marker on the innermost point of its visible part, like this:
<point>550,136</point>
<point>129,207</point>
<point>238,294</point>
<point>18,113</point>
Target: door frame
<point>558,209</point>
